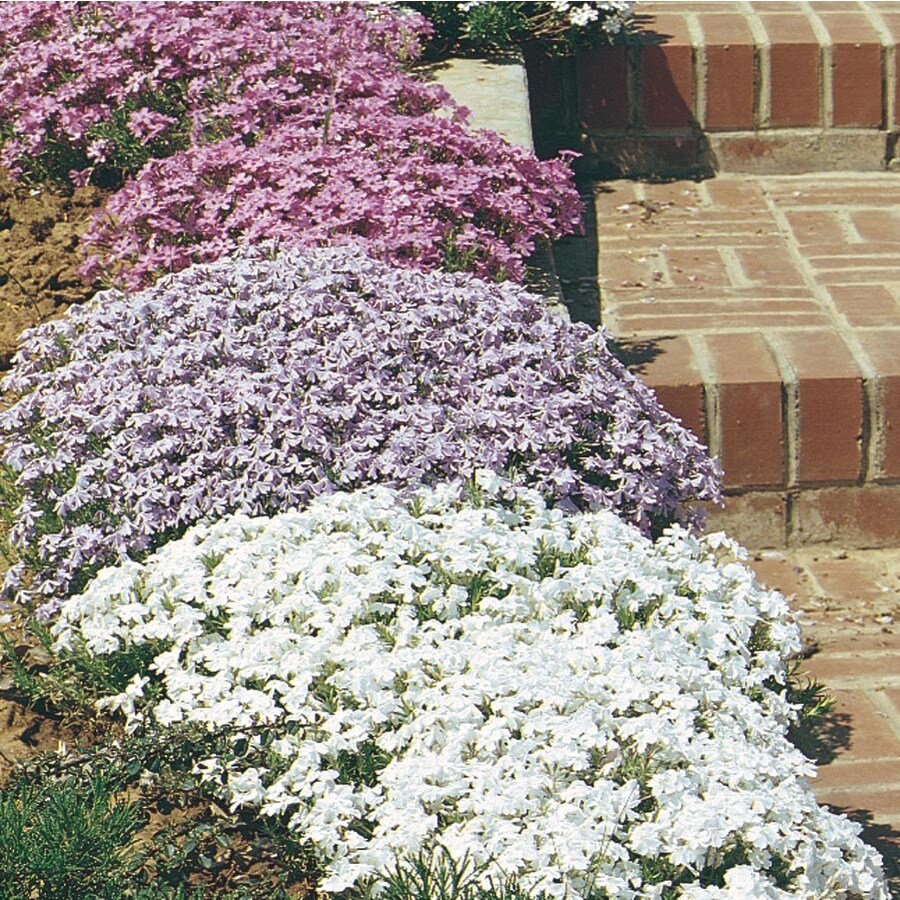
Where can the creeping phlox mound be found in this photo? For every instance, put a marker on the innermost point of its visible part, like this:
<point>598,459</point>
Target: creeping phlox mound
<point>220,122</point>
<point>559,698</point>
<point>257,382</point>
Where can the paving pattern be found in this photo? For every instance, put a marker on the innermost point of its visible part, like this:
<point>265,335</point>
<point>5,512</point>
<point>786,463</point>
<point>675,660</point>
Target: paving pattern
<point>765,311</point>
<point>783,253</point>
<point>849,604</point>
<point>759,307</point>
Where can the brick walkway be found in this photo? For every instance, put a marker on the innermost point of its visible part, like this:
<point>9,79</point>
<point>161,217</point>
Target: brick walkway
<point>758,307</point>
<point>849,606</point>
<point>765,310</point>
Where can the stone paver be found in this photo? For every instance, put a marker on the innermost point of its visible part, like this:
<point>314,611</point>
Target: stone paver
<point>849,605</point>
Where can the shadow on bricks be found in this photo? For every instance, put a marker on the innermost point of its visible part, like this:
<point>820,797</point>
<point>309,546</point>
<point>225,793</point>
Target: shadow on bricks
<point>629,108</point>
<point>823,740</point>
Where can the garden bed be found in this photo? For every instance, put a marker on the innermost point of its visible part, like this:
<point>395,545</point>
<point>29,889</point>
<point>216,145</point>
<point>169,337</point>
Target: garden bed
<point>39,255</point>
<point>379,577</point>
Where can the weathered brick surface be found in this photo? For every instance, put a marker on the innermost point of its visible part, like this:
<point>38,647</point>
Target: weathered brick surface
<point>770,84</point>
<point>856,67</point>
<point>673,372</point>
<point>756,518</point>
<point>667,74</point>
<point>730,71</point>
<point>853,516</point>
<point>829,446</point>
<point>795,67</point>
<point>750,421</point>
<point>849,579</point>
<point>602,88</point>
<point>848,603</point>
<point>882,346</point>
<point>797,279</point>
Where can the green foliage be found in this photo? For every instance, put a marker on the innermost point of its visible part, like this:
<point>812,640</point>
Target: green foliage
<point>67,840</point>
<point>73,683</point>
<point>433,874</point>
<point>813,704</point>
<point>501,28</point>
<point>66,831</point>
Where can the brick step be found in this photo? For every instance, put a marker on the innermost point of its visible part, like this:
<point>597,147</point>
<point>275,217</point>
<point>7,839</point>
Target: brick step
<point>776,87</point>
<point>765,312</point>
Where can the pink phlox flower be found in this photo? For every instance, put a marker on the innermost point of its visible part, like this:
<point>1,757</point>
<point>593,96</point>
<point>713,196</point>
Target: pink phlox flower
<point>147,124</point>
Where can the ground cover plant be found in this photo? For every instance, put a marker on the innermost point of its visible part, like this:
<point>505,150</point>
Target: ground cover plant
<point>488,28</point>
<point>224,122</point>
<point>551,699</point>
<point>262,380</point>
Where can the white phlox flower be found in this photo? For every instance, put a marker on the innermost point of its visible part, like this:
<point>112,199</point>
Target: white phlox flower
<point>555,697</point>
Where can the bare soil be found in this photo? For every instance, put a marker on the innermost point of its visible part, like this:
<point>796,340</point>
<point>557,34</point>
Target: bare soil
<point>39,255</point>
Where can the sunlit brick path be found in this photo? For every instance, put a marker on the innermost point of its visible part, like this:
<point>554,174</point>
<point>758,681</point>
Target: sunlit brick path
<point>850,606</point>
<point>766,313</point>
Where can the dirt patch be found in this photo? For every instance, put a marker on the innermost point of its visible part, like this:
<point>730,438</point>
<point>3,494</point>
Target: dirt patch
<point>39,232</point>
<point>25,733</point>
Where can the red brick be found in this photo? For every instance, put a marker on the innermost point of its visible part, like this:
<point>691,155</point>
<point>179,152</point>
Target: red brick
<point>602,88</point>
<point>866,276</point>
<point>883,349</point>
<point>816,227</point>
<point>779,574</point>
<point>698,268</point>
<point>750,415</point>
<point>868,305</point>
<point>829,445</point>
<point>831,255</point>
<point>730,71</point>
<point>736,194</point>
<point>868,733</point>
<point>673,373</point>
<point>712,323</point>
<point>678,193</point>
<point>773,268</point>
<point>831,192</point>
<point>881,225</point>
<point>875,803</point>
<point>850,261</point>
<point>794,70</point>
<point>609,197</point>
<point>850,579</point>
<point>854,516</point>
<point>667,75</point>
<point>748,306</point>
<point>631,270</point>
<point>664,154</point>
<point>857,774</point>
<point>756,518</point>
<point>685,6</point>
<point>857,71</point>
<point>548,80</point>
<point>841,668</point>
<point>765,6</point>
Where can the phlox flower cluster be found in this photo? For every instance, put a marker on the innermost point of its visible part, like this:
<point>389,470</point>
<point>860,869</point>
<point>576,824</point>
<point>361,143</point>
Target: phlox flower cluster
<point>610,14</point>
<point>257,382</point>
<point>227,122</point>
<point>558,25</point>
<point>557,698</point>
